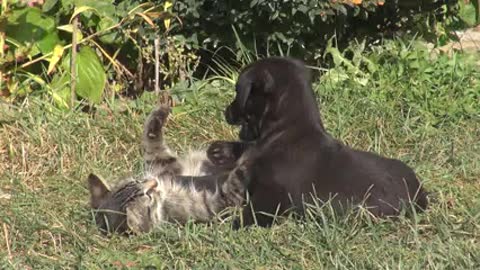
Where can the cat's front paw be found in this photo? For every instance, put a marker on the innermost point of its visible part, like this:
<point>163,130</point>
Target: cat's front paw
<point>156,121</point>
<point>221,153</point>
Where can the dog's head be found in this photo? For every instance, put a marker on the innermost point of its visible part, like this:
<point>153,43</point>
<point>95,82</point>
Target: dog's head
<point>268,90</point>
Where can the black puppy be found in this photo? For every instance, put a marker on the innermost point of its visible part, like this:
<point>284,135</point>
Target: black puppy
<point>292,156</point>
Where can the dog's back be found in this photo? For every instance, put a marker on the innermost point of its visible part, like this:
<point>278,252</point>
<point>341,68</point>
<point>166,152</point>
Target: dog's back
<point>382,184</point>
<point>322,167</point>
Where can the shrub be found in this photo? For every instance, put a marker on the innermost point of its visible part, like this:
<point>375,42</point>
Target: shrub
<point>115,43</point>
<point>116,39</point>
<point>300,27</point>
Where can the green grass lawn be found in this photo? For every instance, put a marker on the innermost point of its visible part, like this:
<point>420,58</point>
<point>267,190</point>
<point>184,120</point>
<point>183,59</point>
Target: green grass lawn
<point>424,112</point>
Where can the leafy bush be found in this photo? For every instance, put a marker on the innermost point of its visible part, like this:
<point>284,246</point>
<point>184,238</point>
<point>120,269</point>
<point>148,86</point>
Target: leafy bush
<point>115,42</point>
<point>299,27</point>
<point>116,38</point>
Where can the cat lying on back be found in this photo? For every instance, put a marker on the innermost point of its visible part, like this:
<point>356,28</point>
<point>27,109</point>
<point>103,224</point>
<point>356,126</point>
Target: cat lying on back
<point>172,189</point>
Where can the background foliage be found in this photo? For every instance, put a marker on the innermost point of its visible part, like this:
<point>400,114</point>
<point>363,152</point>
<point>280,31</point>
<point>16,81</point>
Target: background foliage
<point>116,38</point>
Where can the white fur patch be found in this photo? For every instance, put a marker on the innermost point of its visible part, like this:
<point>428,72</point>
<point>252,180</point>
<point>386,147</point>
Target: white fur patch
<point>192,163</point>
<point>176,202</point>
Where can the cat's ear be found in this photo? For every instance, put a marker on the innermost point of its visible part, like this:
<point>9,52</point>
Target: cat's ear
<point>98,190</point>
<point>138,220</point>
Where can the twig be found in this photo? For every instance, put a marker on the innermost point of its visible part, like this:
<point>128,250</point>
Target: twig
<point>157,65</point>
<point>139,74</point>
<point>73,62</point>
<point>2,53</point>
<point>477,12</point>
<point>7,242</point>
<point>125,70</point>
<point>110,58</point>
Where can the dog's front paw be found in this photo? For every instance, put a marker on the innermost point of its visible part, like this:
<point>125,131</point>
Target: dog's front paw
<point>221,153</point>
<point>156,121</point>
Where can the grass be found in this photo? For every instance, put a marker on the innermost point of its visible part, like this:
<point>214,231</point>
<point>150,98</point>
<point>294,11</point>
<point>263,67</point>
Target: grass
<point>428,118</point>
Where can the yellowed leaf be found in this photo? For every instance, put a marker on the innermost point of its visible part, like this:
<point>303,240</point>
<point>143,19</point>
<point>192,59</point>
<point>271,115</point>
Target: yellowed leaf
<point>67,28</point>
<point>167,5</point>
<point>79,10</point>
<point>166,22</point>
<point>79,35</point>
<point>146,18</point>
<point>56,55</point>
<point>157,14</point>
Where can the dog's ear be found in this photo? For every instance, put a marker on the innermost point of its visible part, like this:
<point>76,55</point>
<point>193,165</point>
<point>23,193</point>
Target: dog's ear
<point>245,85</point>
<point>267,82</point>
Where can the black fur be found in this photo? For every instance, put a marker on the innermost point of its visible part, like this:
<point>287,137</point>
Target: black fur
<point>293,155</point>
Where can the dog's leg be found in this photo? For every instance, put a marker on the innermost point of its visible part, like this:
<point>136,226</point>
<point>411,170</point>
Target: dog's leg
<point>263,208</point>
<point>253,215</point>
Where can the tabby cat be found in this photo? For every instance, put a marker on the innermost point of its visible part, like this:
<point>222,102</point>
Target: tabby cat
<point>172,189</point>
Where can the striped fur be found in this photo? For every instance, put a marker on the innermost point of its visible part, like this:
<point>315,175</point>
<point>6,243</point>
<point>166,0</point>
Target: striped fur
<point>172,189</point>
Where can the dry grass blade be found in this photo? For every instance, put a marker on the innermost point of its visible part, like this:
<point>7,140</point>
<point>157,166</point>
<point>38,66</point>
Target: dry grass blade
<point>7,242</point>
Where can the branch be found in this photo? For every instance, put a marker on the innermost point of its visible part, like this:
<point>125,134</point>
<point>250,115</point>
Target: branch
<point>73,63</point>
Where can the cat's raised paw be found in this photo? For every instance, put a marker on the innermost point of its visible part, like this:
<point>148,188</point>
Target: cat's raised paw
<point>156,121</point>
<point>221,153</point>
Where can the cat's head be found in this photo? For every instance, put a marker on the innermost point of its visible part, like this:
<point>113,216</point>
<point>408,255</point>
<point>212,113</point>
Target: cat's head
<point>125,208</point>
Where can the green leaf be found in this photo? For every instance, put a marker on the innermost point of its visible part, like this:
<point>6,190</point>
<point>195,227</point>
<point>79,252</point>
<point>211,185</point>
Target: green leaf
<point>48,43</point>
<point>79,10</point>
<point>67,5</point>
<point>91,77</point>
<point>60,92</point>
<point>109,37</point>
<point>48,5</point>
<point>104,8</point>
<point>341,9</point>
<point>30,26</point>
<point>303,8</point>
